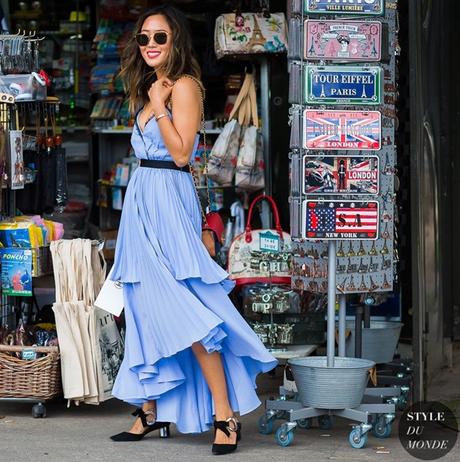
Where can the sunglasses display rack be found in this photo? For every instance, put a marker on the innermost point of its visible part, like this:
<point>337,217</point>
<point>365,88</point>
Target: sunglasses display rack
<point>342,173</point>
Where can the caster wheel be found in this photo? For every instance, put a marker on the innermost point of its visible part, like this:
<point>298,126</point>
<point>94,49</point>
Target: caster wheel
<point>356,441</point>
<point>381,430</point>
<point>304,423</point>
<point>38,411</point>
<point>325,422</point>
<point>265,425</point>
<point>283,437</point>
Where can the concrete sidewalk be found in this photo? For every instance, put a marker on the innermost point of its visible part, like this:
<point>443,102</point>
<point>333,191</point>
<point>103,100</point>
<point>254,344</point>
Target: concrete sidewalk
<point>82,434</point>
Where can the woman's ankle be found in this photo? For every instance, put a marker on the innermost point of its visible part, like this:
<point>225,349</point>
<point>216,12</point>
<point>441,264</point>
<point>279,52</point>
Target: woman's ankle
<point>224,414</point>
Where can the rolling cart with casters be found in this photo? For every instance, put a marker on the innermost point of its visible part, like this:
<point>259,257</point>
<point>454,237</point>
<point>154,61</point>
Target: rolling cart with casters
<point>32,381</point>
<point>381,339</point>
<point>316,377</point>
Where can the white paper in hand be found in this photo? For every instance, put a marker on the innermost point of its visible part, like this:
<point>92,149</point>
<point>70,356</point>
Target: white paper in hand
<point>110,297</point>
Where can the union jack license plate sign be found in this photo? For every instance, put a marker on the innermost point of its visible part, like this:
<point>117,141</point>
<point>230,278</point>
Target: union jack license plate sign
<point>341,220</point>
<point>357,7</point>
<point>341,175</point>
<point>342,130</point>
<point>343,85</point>
<point>343,40</point>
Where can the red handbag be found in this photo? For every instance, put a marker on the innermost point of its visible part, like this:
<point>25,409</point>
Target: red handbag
<point>261,255</point>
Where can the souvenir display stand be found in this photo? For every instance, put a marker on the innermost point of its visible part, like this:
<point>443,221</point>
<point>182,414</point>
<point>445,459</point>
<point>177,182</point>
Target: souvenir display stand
<point>32,176</point>
<point>27,373</point>
<point>343,91</point>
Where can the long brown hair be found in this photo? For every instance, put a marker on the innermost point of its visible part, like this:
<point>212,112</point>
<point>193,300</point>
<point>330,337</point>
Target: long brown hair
<point>138,77</point>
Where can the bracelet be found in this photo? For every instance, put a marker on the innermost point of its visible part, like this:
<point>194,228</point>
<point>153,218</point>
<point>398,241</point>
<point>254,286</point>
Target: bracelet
<point>157,118</point>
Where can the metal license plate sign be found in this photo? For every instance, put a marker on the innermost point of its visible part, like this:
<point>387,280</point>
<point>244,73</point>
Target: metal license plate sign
<point>356,7</point>
<point>341,175</point>
<point>347,220</point>
<point>347,130</point>
<point>343,85</point>
<point>343,41</point>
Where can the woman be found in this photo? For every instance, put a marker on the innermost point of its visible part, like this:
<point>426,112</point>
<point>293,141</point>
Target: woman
<point>189,355</point>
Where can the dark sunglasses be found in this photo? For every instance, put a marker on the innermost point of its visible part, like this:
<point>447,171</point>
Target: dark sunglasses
<point>143,39</point>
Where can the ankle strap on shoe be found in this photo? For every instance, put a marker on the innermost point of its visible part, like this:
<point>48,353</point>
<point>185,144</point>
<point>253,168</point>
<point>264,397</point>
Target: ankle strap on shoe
<point>224,425</point>
<point>139,412</point>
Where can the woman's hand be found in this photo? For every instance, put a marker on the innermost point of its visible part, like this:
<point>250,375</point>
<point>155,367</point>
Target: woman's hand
<point>159,93</point>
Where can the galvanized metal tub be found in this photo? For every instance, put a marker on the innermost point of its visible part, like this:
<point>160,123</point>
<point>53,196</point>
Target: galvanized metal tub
<point>338,387</point>
<point>379,341</point>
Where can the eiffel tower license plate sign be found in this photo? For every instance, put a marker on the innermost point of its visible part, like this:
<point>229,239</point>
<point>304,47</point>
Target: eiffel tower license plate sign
<point>344,220</point>
<point>364,7</point>
<point>343,85</point>
<point>342,130</point>
<point>344,41</point>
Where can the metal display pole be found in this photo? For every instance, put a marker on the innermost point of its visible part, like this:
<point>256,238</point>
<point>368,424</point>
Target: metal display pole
<point>332,262</point>
<point>342,324</point>
<point>264,80</point>
<point>359,331</point>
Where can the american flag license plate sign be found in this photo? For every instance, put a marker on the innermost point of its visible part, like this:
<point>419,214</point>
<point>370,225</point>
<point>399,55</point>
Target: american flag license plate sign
<point>342,130</point>
<point>341,220</point>
<point>356,7</point>
<point>344,41</point>
<point>341,175</point>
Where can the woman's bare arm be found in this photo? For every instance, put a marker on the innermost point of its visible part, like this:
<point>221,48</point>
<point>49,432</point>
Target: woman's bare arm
<point>179,133</point>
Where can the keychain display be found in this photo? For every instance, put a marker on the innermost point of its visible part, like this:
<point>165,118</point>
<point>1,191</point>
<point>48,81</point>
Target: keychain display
<point>19,53</point>
<point>46,159</point>
<point>328,135</point>
<point>266,299</point>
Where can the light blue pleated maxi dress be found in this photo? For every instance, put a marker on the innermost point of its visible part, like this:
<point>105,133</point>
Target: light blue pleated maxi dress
<point>175,295</point>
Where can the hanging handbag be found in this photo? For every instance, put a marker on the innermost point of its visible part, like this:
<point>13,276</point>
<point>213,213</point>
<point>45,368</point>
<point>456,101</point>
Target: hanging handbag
<point>261,255</point>
<point>248,33</point>
<point>250,170</point>
<point>223,157</point>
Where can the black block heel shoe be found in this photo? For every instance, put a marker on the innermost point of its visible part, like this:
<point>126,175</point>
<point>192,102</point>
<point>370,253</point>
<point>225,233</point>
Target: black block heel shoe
<point>227,426</point>
<point>127,436</point>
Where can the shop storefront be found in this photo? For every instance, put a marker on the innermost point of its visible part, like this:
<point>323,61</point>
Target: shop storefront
<point>349,126</point>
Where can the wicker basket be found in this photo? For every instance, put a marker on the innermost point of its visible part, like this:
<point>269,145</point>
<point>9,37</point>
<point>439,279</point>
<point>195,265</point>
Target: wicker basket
<point>35,379</point>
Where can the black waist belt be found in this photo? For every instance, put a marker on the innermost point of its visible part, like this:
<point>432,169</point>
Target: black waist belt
<point>163,164</point>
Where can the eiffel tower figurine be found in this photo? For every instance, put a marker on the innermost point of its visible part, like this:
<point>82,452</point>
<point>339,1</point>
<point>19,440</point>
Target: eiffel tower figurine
<point>340,252</point>
<point>373,250</point>
<point>362,267</point>
<point>341,287</point>
<point>385,250</point>
<point>257,40</point>
<point>373,285</point>
<point>351,287</point>
<point>373,267</point>
<point>351,252</point>
<point>362,287</point>
<point>361,250</point>
<point>386,284</point>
